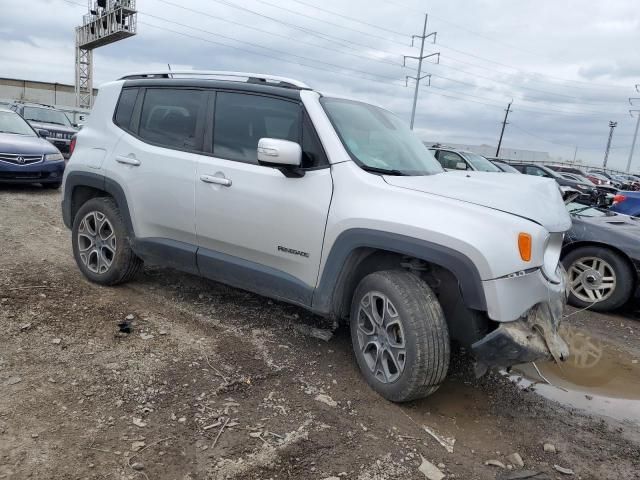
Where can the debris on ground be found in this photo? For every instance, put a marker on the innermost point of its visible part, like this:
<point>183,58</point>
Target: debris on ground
<point>563,470</point>
<point>446,442</point>
<point>125,326</point>
<point>326,399</point>
<point>523,475</point>
<point>319,333</point>
<point>429,470</point>
<point>549,448</point>
<point>495,463</point>
<point>138,422</point>
<point>137,446</point>
<point>516,460</point>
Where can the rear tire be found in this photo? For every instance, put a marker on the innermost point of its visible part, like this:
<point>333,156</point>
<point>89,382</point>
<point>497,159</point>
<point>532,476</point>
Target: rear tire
<point>101,245</point>
<point>399,335</point>
<point>591,267</point>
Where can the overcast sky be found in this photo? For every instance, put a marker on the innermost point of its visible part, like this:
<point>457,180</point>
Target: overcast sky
<point>569,66</point>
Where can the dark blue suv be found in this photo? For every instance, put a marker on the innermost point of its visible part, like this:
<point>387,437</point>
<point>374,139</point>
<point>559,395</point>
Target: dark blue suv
<point>26,157</point>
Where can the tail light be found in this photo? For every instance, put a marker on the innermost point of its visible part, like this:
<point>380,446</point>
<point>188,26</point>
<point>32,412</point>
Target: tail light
<point>72,145</point>
<point>618,199</point>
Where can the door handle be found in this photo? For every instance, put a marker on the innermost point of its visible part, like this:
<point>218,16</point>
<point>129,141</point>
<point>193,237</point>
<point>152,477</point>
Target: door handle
<point>225,182</point>
<point>128,160</point>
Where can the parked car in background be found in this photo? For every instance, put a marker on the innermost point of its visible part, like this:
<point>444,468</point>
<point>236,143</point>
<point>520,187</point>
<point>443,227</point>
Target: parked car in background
<point>330,204</point>
<point>627,203</point>
<point>454,159</point>
<point>601,254</point>
<point>505,167</point>
<point>603,184</point>
<point>54,121</point>
<point>615,180</point>
<point>25,157</point>
<point>605,194</point>
<point>588,193</point>
<point>632,180</point>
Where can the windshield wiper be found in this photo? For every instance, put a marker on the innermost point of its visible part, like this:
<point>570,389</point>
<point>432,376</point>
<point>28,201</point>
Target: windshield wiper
<point>383,171</point>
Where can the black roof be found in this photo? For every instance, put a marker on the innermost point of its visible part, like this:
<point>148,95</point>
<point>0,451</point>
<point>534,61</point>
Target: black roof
<point>281,90</point>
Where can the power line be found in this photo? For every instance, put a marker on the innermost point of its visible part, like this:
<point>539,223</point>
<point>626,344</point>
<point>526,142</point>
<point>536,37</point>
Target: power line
<point>360,32</point>
<point>340,41</point>
<point>266,48</point>
<point>287,37</point>
<point>267,55</point>
<point>356,20</point>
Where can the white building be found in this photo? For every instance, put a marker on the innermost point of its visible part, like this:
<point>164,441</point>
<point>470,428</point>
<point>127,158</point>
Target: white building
<point>59,95</point>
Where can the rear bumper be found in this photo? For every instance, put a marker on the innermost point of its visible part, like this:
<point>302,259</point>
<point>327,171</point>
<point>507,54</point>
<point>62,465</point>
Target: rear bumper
<point>41,172</point>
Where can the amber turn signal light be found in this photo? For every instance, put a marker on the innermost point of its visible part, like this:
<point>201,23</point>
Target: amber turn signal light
<point>524,245</point>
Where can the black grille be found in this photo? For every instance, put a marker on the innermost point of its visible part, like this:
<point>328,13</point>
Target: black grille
<point>18,159</point>
<point>20,176</point>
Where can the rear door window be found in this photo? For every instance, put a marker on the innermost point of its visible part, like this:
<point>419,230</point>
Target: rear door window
<point>173,117</point>
<point>241,120</point>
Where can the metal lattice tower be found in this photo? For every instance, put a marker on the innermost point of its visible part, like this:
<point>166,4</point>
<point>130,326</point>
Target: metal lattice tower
<point>107,21</point>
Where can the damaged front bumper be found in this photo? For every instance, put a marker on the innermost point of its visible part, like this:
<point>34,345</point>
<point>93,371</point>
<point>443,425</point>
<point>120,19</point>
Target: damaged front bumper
<point>533,336</point>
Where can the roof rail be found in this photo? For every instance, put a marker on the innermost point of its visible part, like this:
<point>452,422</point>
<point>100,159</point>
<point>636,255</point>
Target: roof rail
<point>231,76</point>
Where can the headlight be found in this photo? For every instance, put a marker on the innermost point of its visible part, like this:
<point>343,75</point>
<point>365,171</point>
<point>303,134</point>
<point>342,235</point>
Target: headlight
<point>552,251</point>
<point>53,156</point>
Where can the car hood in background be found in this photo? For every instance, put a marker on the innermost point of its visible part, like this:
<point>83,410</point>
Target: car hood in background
<point>536,199</point>
<point>23,144</point>
<point>619,231</point>
<point>54,127</point>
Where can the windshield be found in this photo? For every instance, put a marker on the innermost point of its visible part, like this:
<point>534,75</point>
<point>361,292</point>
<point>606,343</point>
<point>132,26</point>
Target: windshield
<point>480,163</point>
<point>378,141</point>
<point>46,115</point>
<point>13,123</point>
<point>505,167</point>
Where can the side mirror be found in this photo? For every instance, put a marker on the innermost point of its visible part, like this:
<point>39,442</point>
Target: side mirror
<point>275,152</point>
<point>461,166</point>
<point>42,132</point>
<point>284,154</point>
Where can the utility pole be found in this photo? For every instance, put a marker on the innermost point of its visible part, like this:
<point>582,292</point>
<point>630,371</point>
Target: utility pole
<point>635,134</point>
<point>575,154</point>
<point>422,56</point>
<point>612,125</point>
<point>504,124</point>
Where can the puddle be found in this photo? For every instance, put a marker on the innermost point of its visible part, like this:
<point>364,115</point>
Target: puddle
<point>597,378</point>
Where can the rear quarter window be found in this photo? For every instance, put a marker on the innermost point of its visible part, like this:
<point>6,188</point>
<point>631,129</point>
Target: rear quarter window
<point>124,110</point>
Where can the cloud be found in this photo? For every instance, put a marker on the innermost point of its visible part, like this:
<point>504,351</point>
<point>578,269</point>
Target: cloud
<point>535,47</point>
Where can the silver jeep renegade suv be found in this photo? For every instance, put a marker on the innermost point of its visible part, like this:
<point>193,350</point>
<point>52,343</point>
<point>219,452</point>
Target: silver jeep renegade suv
<point>265,184</point>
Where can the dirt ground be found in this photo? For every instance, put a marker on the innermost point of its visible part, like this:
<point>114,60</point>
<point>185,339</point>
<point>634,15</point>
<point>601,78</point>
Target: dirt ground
<point>214,383</point>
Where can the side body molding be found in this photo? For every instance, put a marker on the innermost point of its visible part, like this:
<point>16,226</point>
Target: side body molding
<point>348,241</point>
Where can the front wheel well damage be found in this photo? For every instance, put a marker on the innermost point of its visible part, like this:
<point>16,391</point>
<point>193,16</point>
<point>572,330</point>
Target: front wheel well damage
<point>466,325</point>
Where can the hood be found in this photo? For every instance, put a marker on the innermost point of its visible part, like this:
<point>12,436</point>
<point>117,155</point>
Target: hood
<point>54,127</point>
<point>619,231</point>
<point>536,199</point>
<point>22,144</point>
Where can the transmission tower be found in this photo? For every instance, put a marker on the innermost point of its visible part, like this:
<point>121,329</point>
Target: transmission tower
<point>107,21</point>
<point>420,58</point>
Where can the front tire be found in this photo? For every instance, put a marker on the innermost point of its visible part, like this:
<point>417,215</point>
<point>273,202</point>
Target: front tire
<point>101,244</point>
<point>599,278</point>
<point>399,335</point>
